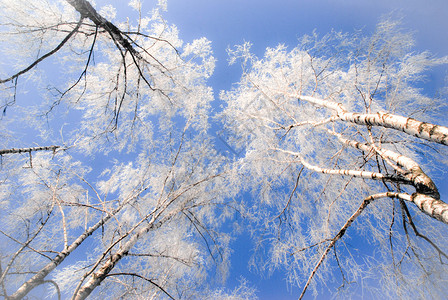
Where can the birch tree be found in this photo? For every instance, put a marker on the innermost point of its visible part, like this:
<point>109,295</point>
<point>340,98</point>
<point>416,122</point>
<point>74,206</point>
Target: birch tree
<point>342,150</point>
<point>129,201</point>
<point>146,246</point>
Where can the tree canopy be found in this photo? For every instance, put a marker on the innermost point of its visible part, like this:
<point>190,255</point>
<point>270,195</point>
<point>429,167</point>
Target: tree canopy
<point>122,191</point>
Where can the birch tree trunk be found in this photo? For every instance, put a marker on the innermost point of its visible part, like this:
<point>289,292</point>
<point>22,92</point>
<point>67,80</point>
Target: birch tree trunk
<point>98,276</point>
<point>431,132</point>
<point>153,220</point>
<point>28,150</point>
<point>39,277</point>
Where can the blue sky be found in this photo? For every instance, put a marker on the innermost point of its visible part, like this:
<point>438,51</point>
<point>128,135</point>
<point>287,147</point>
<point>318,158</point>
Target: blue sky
<point>267,23</point>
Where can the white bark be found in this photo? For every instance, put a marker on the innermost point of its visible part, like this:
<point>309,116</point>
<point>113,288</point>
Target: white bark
<point>354,173</point>
<point>25,150</point>
<point>38,278</point>
<point>427,197</point>
<point>427,131</point>
<point>97,277</point>
<point>433,207</point>
<point>414,174</point>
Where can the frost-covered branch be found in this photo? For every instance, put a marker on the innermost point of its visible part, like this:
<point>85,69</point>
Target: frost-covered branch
<point>38,278</point>
<point>33,282</point>
<point>344,228</point>
<point>431,132</point>
<point>83,291</point>
<point>24,246</point>
<point>345,172</point>
<point>144,278</point>
<point>46,55</point>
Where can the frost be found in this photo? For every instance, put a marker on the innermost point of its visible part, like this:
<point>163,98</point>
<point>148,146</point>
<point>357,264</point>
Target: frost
<point>108,11</point>
<point>241,292</point>
<point>163,4</point>
<point>135,4</point>
<point>240,52</point>
<point>199,47</point>
<point>68,277</point>
<point>145,22</point>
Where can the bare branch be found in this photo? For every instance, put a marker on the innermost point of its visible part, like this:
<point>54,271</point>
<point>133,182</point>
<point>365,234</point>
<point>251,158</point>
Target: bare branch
<point>417,233</point>
<point>24,150</point>
<point>344,228</point>
<point>48,54</point>
<point>144,278</point>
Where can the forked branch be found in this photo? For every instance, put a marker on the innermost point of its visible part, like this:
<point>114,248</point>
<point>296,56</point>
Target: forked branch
<point>423,130</point>
<point>344,228</point>
<point>46,55</point>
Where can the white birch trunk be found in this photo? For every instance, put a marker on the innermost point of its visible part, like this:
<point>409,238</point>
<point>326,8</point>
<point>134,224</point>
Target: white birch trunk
<point>422,182</point>
<point>427,197</point>
<point>110,263</point>
<point>427,131</point>
<point>97,277</point>
<point>24,150</point>
<point>38,278</point>
<point>433,207</point>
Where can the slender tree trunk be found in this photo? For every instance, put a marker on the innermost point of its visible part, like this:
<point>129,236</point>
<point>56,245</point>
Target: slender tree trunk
<point>427,131</point>
<point>38,278</point>
<point>97,277</point>
<point>82,292</point>
<point>23,150</point>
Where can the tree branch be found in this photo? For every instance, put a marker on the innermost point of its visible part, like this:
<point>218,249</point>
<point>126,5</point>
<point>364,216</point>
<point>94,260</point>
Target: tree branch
<point>58,47</point>
<point>144,278</point>
<point>87,11</point>
<point>423,130</point>
<point>24,150</point>
<point>344,228</point>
